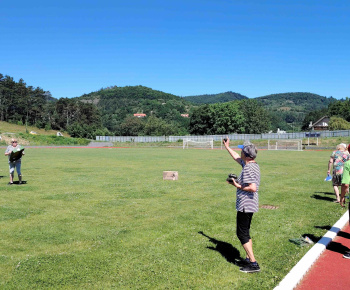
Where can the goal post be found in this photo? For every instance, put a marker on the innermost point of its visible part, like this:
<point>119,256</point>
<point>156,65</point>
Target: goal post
<point>188,143</point>
<point>285,144</point>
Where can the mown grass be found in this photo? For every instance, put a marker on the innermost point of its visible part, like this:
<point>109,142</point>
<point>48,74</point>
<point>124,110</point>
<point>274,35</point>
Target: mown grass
<point>104,218</point>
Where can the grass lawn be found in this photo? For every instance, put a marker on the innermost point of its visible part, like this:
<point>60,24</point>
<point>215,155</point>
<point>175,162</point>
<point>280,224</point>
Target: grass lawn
<point>104,218</point>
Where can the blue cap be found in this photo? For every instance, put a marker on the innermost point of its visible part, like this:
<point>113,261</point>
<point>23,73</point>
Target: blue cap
<point>240,146</point>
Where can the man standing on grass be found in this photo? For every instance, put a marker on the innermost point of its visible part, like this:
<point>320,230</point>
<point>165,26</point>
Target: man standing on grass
<point>14,164</point>
<point>247,201</point>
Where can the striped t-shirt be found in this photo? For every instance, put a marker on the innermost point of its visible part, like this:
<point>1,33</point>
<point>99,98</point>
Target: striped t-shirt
<point>248,201</point>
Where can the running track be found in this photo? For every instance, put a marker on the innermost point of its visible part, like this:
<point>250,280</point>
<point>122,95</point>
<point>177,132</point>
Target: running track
<point>323,266</point>
<point>331,270</point>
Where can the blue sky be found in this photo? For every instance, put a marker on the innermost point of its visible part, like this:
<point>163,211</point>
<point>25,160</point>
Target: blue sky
<point>185,48</point>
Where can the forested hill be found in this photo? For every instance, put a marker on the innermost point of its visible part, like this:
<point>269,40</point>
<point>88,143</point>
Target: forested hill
<point>302,102</point>
<point>292,108</point>
<point>111,110</point>
<point>135,99</point>
<point>215,98</point>
<point>118,103</point>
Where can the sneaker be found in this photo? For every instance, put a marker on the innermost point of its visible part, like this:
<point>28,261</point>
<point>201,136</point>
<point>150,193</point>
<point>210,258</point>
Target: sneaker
<point>10,183</point>
<point>250,268</point>
<point>346,255</point>
<point>242,262</point>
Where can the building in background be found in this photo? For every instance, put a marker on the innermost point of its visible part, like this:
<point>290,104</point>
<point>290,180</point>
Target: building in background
<point>320,125</point>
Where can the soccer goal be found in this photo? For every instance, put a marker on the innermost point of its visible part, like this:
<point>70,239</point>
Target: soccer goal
<point>290,144</point>
<point>209,144</point>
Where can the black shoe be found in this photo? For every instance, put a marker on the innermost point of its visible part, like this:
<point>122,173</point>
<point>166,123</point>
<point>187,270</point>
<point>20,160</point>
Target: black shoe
<point>242,262</point>
<point>346,255</point>
<point>10,183</point>
<point>250,268</point>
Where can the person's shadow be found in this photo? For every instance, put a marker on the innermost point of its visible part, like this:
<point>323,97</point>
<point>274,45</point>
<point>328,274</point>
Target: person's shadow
<point>229,252</point>
<point>17,182</point>
<point>319,197</point>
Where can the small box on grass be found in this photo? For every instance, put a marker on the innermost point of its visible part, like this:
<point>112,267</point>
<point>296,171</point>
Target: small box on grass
<point>170,175</point>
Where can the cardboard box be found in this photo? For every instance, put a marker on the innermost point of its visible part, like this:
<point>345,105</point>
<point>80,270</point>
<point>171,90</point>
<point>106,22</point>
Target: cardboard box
<point>170,175</point>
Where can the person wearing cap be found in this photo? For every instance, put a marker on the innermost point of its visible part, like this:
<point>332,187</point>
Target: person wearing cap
<point>247,200</point>
<point>337,160</point>
<point>14,164</point>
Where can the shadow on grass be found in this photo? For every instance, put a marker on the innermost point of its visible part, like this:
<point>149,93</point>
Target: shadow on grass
<point>326,198</point>
<point>325,192</point>
<point>17,182</point>
<point>229,252</point>
<point>323,227</point>
<point>1,176</point>
<point>312,237</point>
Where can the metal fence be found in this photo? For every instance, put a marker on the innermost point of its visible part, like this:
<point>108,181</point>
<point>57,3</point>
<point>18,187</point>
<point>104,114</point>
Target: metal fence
<point>264,136</point>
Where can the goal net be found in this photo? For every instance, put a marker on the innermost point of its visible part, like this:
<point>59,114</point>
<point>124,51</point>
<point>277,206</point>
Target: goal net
<point>198,144</point>
<point>293,144</point>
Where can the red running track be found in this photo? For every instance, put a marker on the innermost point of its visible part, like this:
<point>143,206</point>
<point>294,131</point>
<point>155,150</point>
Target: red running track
<point>331,270</point>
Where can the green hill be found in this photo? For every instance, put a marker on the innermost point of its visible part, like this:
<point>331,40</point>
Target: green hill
<point>111,110</point>
<point>215,98</point>
<point>119,104</point>
<point>299,102</point>
<point>291,108</point>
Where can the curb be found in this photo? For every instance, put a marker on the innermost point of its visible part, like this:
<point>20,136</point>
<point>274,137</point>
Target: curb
<point>295,275</point>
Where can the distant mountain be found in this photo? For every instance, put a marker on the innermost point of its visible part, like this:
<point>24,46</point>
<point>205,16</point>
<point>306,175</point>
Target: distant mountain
<point>215,98</point>
<point>135,99</point>
<point>116,104</point>
<point>298,102</point>
<point>115,107</point>
<point>291,108</point>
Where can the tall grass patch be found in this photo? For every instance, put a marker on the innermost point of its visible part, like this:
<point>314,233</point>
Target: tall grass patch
<point>105,218</point>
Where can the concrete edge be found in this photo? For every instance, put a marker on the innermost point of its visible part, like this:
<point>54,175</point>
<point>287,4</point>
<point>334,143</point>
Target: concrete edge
<point>292,279</point>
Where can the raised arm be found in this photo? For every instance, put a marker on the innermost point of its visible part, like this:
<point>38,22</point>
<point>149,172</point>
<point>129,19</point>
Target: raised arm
<point>233,153</point>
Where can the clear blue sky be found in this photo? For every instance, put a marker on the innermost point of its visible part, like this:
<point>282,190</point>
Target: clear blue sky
<point>182,47</point>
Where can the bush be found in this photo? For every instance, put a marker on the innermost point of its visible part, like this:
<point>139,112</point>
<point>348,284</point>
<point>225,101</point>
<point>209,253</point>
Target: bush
<point>337,123</point>
<point>48,127</point>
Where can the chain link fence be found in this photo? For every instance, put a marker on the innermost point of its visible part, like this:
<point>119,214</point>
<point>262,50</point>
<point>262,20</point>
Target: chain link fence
<point>264,136</point>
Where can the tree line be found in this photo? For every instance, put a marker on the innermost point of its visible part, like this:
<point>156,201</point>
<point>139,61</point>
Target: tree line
<point>244,116</point>
<point>110,111</point>
<point>26,105</point>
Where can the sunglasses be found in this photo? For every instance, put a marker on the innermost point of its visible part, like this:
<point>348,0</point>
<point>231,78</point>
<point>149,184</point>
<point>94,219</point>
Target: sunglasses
<point>14,142</point>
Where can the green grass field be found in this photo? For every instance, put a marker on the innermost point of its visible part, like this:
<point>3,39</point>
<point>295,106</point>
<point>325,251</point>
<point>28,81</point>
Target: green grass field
<point>105,218</point>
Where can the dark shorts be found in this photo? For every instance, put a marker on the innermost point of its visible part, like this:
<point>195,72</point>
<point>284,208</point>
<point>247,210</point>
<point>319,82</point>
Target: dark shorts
<point>336,180</point>
<point>244,219</point>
